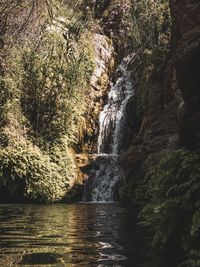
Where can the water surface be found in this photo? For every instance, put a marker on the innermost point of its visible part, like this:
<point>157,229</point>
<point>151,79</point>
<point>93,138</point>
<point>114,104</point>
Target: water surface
<point>68,235</point>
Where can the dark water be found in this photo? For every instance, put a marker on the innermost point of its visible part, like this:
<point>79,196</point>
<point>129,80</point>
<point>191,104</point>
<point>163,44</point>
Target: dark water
<point>69,235</point>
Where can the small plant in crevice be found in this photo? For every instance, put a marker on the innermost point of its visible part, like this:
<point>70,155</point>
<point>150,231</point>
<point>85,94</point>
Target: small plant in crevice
<point>172,205</point>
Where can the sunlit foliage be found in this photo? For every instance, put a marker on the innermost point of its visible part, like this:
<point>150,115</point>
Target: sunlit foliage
<point>45,73</point>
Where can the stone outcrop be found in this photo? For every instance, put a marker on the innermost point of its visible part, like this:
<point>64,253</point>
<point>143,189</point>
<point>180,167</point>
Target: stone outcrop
<point>84,160</point>
<point>104,63</point>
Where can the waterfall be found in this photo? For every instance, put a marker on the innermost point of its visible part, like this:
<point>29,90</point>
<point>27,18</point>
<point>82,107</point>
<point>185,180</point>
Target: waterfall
<point>105,172</point>
<point>111,118</point>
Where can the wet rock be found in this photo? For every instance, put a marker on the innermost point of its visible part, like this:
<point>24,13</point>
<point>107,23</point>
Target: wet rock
<point>84,160</point>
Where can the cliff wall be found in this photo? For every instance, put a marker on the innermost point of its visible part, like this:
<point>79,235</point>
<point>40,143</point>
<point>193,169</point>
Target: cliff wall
<point>171,119</point>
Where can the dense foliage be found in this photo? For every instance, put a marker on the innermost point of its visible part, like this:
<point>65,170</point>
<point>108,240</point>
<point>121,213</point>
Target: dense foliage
<point>150,38</point>
<point>40,176</point>
<point>172,207</point>
<point>44,82</point>
<point>53,82</point>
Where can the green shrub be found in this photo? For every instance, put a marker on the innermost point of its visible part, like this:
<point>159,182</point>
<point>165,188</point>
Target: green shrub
<point>42,177</point>
<point>172,207</point>
<point>49,84</point>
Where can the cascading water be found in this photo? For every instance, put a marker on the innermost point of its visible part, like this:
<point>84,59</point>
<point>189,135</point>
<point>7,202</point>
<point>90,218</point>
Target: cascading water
<point>105,172</point>
<point>112,117</point>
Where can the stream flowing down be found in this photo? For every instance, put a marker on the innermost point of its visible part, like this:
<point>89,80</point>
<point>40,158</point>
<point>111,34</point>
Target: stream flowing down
<point>104,173</point>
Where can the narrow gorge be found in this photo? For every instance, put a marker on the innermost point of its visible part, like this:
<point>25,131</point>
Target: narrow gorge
<point>100,133</point>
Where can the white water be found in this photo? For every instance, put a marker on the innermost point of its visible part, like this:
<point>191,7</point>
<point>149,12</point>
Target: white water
<point>106,173</point>
<point>111,118</point>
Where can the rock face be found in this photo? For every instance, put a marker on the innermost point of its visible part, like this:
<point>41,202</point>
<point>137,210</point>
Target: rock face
<point>187,23</point>
<point>84,160</point>
<point>104,63</point>
<point>185,14</point>
<point>173,115</point>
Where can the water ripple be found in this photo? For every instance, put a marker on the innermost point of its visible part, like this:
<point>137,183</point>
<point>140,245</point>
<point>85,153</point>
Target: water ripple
<point>65,235</point>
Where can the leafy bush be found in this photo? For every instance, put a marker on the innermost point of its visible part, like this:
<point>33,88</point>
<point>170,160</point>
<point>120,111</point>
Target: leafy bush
<point>40,177</point>
<point>54,86</point>
<point>172,207</point>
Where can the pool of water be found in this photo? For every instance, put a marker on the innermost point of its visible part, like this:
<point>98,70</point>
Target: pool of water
<point>69,235</point>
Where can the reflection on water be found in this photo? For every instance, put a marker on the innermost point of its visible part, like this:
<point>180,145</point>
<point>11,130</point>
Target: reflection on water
<point>68,235</point>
